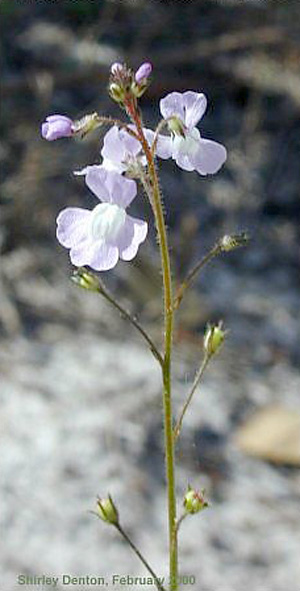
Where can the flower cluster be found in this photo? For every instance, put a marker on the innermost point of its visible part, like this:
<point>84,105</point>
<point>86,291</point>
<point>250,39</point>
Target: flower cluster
<point>99,237</point>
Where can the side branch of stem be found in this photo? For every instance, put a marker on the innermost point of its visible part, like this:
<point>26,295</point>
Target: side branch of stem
<point>126,314</point>
<point>196,381</point>
<point>140,556</point>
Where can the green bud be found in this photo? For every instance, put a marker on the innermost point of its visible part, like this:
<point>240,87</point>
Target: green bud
<point>116,92</point>
<point>176,126</point>
<point>139,89</point>
<point>194,501</point>
<point>213,338</point>
<point>86,280</point>
<point>107,510</point>
<point>233,241</point>
<point>86,124</point>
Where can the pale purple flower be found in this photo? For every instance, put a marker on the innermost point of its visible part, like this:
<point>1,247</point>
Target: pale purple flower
<point>191,152</point>
<point>57,126</point>
<point>99,237</point>
<point>120,150</point>
<point>143,72</point>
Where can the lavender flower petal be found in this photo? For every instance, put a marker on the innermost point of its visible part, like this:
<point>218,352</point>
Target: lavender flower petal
<point>122,191</point>
<point>133,234</point>
<point>171,105</point>
<point>195,106</point>
<point>210,157</point>
<point>72,224</point>
<point>98,255</point>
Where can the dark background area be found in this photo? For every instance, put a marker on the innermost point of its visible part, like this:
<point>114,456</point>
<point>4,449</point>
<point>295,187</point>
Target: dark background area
<point>245,56</point>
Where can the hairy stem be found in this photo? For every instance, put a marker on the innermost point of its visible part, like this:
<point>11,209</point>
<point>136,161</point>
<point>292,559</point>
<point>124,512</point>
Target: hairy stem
<point>156,203</point>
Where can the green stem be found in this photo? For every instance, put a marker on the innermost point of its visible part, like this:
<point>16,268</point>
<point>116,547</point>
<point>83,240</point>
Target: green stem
<point>225,244</point>
<point>87,280</point>
<point>196,381</point>
<point>154,350</point>
<point>140,556</point>
<point>192,274</point>
<point>168,335</point>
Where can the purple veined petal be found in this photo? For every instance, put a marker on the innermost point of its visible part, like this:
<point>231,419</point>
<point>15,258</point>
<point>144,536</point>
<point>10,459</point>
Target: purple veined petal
<point>96,254</point>
<point>95,178</point>
<point>73,226</point>
<point>210,157</point>
<point>172,104</point>
<point>113,149</point>
<point>183,161</point>
<point>195,104</point>
<point>121,190</point>
<point>133,234</point>
<point>132,146</point>
<point>104,257</point>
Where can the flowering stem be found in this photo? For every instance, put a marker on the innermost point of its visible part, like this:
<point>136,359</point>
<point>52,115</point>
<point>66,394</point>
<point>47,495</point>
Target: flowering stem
<point>156,203</point>
<point>196,381</point>
<point>140,556</point>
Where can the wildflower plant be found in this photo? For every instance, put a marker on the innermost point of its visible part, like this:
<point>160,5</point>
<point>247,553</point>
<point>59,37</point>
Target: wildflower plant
<point>98,238</point>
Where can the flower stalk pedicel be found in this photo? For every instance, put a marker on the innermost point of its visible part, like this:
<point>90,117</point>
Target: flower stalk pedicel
<point>100,237</point>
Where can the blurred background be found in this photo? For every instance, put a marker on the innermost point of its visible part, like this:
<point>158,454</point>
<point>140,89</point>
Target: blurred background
<point>80,395</point>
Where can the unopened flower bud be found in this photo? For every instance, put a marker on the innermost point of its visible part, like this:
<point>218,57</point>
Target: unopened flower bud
<point>116,92</point>
<point>233,241</point>
<point>143,72</point>
<point>86,280</point>
<point>213,339</point>
<point>176,126</point>
<point>116,68</point>
<point>56,127</point>
<point>107,510</point>
<point>141,79</point>
<point>86,124</point>
<point>194,501</point>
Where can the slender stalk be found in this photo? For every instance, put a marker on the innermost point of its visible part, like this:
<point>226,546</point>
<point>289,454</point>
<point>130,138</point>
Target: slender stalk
<point>140,556</point>
<point>192,274</point>
<point>168,335</point>
<point>112,121</point>
<point>225,244</point>
<point>163,123</point>
<point>110,298</point>
<point>89,281</point>
<point>196,381</point>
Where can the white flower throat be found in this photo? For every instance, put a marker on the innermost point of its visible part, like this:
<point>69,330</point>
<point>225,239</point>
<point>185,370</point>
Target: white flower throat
<point>189,144</point>
<point>107,221</point>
